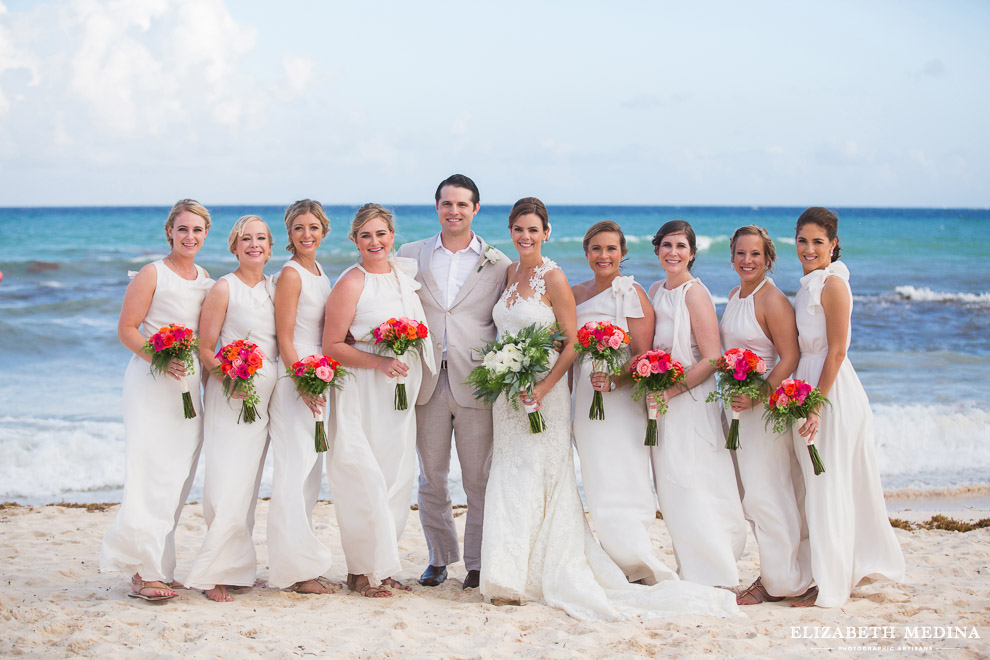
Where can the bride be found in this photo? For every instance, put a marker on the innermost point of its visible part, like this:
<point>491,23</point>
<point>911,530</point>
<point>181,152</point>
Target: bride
<point>537,545</point>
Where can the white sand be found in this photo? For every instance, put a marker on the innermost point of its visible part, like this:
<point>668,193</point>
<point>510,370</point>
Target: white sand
<point>55,603</point>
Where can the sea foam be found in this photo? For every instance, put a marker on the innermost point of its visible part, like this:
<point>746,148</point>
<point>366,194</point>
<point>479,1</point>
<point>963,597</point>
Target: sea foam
<point>924,294</point>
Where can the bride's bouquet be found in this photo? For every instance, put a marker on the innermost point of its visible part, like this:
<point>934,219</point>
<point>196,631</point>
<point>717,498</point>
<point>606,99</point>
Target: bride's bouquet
<point>315,375</point>
<point>174,342</point>
<point>239,362</point>
<point>399,335</point>
<point>654,371</point>
<point>513,364</point>
<point>738,372</point>
<point>602,342</point>
<point>795,399</point>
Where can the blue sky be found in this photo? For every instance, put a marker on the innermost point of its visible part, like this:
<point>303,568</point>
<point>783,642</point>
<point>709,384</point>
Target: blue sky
<point>758,103</point>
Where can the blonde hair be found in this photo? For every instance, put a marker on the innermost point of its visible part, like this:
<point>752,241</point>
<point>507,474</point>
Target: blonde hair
<point>237,231</point>
<point>769,252</point>
<point>181,206</point>
<point>299,208</point>
<point>366,214</point>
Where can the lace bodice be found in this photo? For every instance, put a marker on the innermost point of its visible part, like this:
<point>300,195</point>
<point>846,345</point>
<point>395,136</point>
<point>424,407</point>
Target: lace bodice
<point>513,311</point>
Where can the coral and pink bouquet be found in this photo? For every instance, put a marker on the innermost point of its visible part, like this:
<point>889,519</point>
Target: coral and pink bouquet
<point>399,335</point>
<point>239,362</point>
<point>513,364</point>
<point>603,343</point>
<point>174,342</point>
<point>795,399</point>
<point>654,371</point>
<point>315,375</point>
<point>739,372</point>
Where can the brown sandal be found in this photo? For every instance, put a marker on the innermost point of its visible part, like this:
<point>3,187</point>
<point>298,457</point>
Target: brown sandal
<point>138,587</point>
<point>755,594</point>
<point>395,584</point>
<point>362,585</point>
<point>325,586</point>
<point>807,599</point>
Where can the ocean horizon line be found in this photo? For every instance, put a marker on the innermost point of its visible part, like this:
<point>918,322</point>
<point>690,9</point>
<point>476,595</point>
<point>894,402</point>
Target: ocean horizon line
<point>748,207</point>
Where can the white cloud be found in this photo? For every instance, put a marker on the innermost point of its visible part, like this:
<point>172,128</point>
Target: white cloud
<point>298,72</point>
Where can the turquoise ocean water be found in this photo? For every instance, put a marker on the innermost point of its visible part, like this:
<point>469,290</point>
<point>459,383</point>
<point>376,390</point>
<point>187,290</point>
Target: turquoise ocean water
<point>920,338</point>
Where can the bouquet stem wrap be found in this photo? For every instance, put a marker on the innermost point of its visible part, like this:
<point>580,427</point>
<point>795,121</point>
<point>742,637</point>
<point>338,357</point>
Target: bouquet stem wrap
<point>732,439</point>
<point>401,401</point>
<point>816,459</point>
<point>652,412</point>
<point>320,436</point>
<point>187,405</point>
<point>597,401</point>
<point>536,422</point>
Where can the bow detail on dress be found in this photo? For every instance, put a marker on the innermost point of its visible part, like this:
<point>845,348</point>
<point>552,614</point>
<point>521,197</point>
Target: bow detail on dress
<point>815,282</point>
<point>627,305</point>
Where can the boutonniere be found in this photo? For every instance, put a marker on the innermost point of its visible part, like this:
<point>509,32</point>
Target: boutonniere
<point>491,257</point>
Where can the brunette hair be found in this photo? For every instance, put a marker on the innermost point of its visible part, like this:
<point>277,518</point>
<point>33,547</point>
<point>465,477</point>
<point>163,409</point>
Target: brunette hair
<point>182,206</point>
<point>827,220</point>
<point>238,230</point>
<point>528,205</point>
<point>752,230</point>
<point>460,181</point>
<point>601,227</point>
<point>299,208</point>
<point>366,214</point>
<point>677,227</point>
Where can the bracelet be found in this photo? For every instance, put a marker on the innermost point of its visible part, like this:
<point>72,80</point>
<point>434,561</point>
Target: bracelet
<point>611,384</point>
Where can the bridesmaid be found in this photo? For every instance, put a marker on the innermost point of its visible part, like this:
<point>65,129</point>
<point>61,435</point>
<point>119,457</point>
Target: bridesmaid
<point>162,446</point>
<point>239,306</point>
<point>372,458</point>
<point>758,317</point>
<point>694,475</point>
<point>615,465</point>
<point>297,559</point>
<point>850,535</point>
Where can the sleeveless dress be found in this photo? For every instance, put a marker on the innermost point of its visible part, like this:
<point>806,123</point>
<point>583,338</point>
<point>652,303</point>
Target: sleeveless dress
<point>615,464</point>
<point>773,488</point>
<point>537,545</point>
<point>849,532</point>
<point>235,452</point>
<point>294,552</point>
<point>162,446</point>
<point>693,471</point>
<point>371,463</point>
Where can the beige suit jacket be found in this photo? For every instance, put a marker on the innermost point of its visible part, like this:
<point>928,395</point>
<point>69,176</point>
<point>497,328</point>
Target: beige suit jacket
<point>467,323</point>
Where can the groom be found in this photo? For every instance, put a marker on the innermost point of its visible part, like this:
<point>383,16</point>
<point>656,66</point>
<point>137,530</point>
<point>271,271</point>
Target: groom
<point>462,279</point>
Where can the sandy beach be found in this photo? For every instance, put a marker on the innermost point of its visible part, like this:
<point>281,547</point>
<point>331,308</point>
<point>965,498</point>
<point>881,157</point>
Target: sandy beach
<point>55,603</point>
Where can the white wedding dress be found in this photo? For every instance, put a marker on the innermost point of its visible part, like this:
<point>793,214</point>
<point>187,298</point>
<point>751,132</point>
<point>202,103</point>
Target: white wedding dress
<point>537,545</point>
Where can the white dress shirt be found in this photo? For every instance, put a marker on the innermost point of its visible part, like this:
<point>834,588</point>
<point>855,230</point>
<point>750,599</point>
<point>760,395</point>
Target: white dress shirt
<point>451,270</point>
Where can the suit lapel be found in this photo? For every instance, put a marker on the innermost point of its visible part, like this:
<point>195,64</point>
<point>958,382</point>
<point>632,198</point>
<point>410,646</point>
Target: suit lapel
<point>476,271</point>
<point>425,261</point>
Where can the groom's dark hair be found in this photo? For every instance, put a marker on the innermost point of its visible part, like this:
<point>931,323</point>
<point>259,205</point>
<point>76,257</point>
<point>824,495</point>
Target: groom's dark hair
<point>460,181</point>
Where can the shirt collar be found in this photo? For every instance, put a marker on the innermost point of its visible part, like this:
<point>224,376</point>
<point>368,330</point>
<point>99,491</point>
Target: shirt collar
<point>474,245</point>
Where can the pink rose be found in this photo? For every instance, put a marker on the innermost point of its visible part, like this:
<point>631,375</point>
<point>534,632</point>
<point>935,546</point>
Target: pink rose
<point>739,375</point>
<point>324,373</point>
<point>615,341</point>
<point>643,368</point>
<point>656,367</point>
<point>783,400</point>
<point>243,371</point>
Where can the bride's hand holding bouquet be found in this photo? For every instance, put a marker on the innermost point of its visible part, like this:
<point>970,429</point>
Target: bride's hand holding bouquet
<point>515,365</point>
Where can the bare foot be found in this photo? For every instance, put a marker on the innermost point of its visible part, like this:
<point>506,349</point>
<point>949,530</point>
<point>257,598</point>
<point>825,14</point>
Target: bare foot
<point>218,594</point>
<point>319,585</point>
<point>807,599</point>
